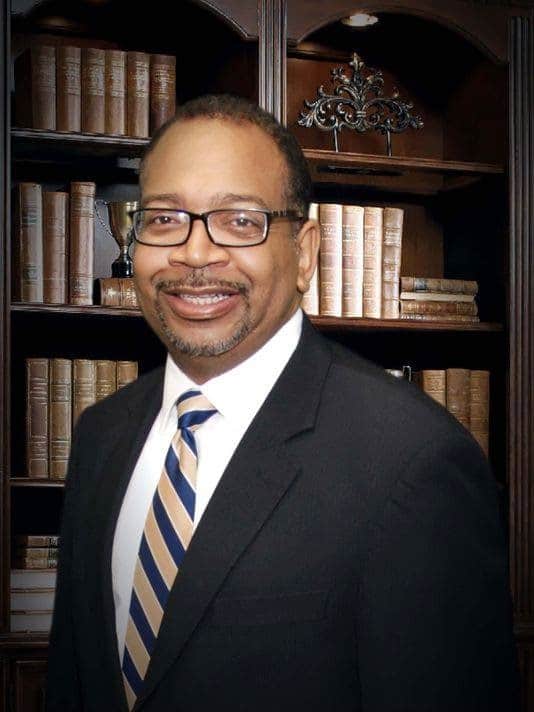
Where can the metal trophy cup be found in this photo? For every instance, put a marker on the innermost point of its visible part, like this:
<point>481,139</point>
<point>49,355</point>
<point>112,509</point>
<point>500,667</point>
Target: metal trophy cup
<point>121,230</point>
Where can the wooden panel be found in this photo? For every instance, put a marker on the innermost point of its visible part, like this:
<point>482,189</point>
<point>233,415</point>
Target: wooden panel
<point>526,669</point>
<point>29,685</point>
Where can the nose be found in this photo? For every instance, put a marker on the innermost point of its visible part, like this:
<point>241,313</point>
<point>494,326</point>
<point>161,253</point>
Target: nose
<point>199,251</point>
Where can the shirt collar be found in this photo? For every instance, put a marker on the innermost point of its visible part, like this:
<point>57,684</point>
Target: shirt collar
<point>238,393</point>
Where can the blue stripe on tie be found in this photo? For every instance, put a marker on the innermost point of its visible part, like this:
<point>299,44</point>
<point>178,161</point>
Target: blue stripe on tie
<point>156,581</point>
<point>131,673</point>
<point>188,394</point>
<point>141,623</point>
<point>194,417</point>
<point>168,532</point>
<point>189,439</point>
<point>183,489</point>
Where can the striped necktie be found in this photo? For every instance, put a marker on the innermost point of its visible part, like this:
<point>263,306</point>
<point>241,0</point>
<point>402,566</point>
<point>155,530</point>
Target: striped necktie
<point>166,536</point>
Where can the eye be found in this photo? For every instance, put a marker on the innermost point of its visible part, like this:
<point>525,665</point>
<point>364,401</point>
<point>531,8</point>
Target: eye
<point>164,218</point>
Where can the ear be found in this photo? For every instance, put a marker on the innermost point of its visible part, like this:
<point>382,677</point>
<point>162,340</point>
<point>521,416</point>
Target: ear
<point>307,243</point>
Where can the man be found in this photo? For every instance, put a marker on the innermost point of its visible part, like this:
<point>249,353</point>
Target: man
<point>319,535</point>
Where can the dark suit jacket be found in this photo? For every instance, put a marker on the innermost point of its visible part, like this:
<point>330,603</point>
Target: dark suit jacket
<point>351,558</point>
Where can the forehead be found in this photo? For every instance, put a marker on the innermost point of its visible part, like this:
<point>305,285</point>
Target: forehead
<point>197,158</point>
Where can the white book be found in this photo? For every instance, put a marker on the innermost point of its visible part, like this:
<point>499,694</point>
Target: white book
<point>32,599</point>
<point>31,621</point>
<point>33,578</point>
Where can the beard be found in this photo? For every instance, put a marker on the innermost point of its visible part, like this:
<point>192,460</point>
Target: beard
<point>180,344</point>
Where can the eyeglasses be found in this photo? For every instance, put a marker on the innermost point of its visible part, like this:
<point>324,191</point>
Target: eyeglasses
<point>160,227</point>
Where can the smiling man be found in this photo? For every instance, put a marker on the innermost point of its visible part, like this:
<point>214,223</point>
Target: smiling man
<point>269,522</point>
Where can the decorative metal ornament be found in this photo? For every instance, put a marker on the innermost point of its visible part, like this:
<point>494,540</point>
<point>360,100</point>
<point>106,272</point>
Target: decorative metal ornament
<point>349,106</point>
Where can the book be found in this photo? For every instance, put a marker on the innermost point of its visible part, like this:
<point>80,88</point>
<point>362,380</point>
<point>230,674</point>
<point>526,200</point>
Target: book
<point>137,93</point>
<point>434,383</point>
<point>36,552</point>
<point>82,197</point>
<point>35,88</point>
<point>127,371</point>
<point>391,261</point>
<point>437,297</point>
<point>458,389</point>
<point>69,89</point>
<point>431,284</point>
<point>479,404</point>
<point>28,243</point>
<point>352,260</point>
<point>93,90</point>
<point>162,89</point>
<point>36,539</point>
<point>83,386</point>
<point>28,579</point>
<point>60,416</point>
<point>55,239</point>
<point>330,259</point>
<point>29,561</point>
<point>115,93</point>
<point>28,599</point>
<point>372,262</point>
<point>31,621</point>
<point>117,292</point>
<point>448,318</point>
<point>106,378</point>
<point>439,308</point>
<point>37,380</point>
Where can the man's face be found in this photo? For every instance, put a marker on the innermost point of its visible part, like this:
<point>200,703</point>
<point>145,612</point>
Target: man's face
<point>214,306</point>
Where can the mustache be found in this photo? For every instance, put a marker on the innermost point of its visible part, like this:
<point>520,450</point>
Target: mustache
<point>197,281</point>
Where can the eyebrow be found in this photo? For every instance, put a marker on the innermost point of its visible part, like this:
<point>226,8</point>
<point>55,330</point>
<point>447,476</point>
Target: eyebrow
<point>217,200</point>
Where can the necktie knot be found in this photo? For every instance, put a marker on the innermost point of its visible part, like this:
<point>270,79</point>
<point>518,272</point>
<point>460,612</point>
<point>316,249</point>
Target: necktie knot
<point>193,409</point>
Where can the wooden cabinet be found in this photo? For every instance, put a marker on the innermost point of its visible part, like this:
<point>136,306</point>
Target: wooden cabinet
<point>464,181</point>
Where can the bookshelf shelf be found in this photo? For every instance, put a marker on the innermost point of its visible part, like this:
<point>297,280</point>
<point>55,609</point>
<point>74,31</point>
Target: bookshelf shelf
<point>33,482</point>
<point>53,143</point>
<point>68,309</point>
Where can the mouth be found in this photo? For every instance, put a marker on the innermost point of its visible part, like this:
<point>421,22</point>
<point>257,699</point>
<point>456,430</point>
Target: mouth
<point>200,303</point>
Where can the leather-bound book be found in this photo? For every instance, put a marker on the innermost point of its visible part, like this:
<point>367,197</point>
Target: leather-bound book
<point>27,561</point>
<point>69,89</point>
<point>117,292</point>
<point>449,318</point>
<point>93,90</point>
<point>331,259</point>
<point>37,540</point>
<point>352,260</point>
<point>83,386</point>
<point>372,262</point>
<point>437,284</point>
<point>442,308</point>
<point>106,378</point>
<point>115,93</point>
<point>37,380</point>
<point>479,405</point>
<point>81,232</point>
<point>310,299</point>
<point>434,384</point>
<point>127,372</point>
<point>35,88</point>
<point>458,394</point>
<point>28,243</point>
<point>60,414</point>
<point>55,231</point>
<point>162,89</point>
<point>391,261</point>
<point>138,99</point>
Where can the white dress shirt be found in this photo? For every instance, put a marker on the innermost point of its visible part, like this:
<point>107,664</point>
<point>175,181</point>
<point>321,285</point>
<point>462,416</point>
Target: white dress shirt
<point>237,395</point>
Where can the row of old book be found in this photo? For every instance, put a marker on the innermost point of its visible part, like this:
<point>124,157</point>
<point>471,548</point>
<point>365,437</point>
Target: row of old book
<point>94,91</point>
<point>450,300</point>
<point>33,584</point>
<point>57,392</point>
<point>358,272</point>
<point>53,244</point>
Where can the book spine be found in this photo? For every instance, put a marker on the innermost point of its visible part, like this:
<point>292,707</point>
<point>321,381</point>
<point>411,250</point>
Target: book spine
<point>331,259</point>
<point>35,88</point>
<point>44,562</point>
<point>60,430</point>
<point>310,299</point>
<point>431,284</point>
<point>28,248</point>
<point>106,378</point>
<point>37,379</point>
<point>458,394</point>
<point>162,90</point>
<point>391,261</point>
<point>82,199</point>
<point>36,552</point>
<point>352,260</point>
<point>115,93</point>
<point>36,540</point>
<point>93,90</point>
<point>437,297</point>
<point>128,295</point>
<point>447,318</point>
<point>55,226</point>
<point>479,404</point>
<point>446,308</point>
<point>69,89</point>
<point>127,372</point>
<point>137,92</point>
<point>372,262</point>
<point>434,383</point>
<point>109,291</point>
<point>83,386</point>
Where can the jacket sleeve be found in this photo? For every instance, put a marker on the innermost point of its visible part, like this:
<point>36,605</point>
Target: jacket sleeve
<point>434,621</point>
<point>62,683</point>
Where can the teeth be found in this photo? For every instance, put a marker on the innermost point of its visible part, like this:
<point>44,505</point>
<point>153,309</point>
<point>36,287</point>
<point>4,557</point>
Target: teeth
<point>203,299</point>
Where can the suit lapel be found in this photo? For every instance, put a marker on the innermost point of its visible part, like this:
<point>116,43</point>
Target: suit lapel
<point>128,438</point>
<point>257,477</point>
